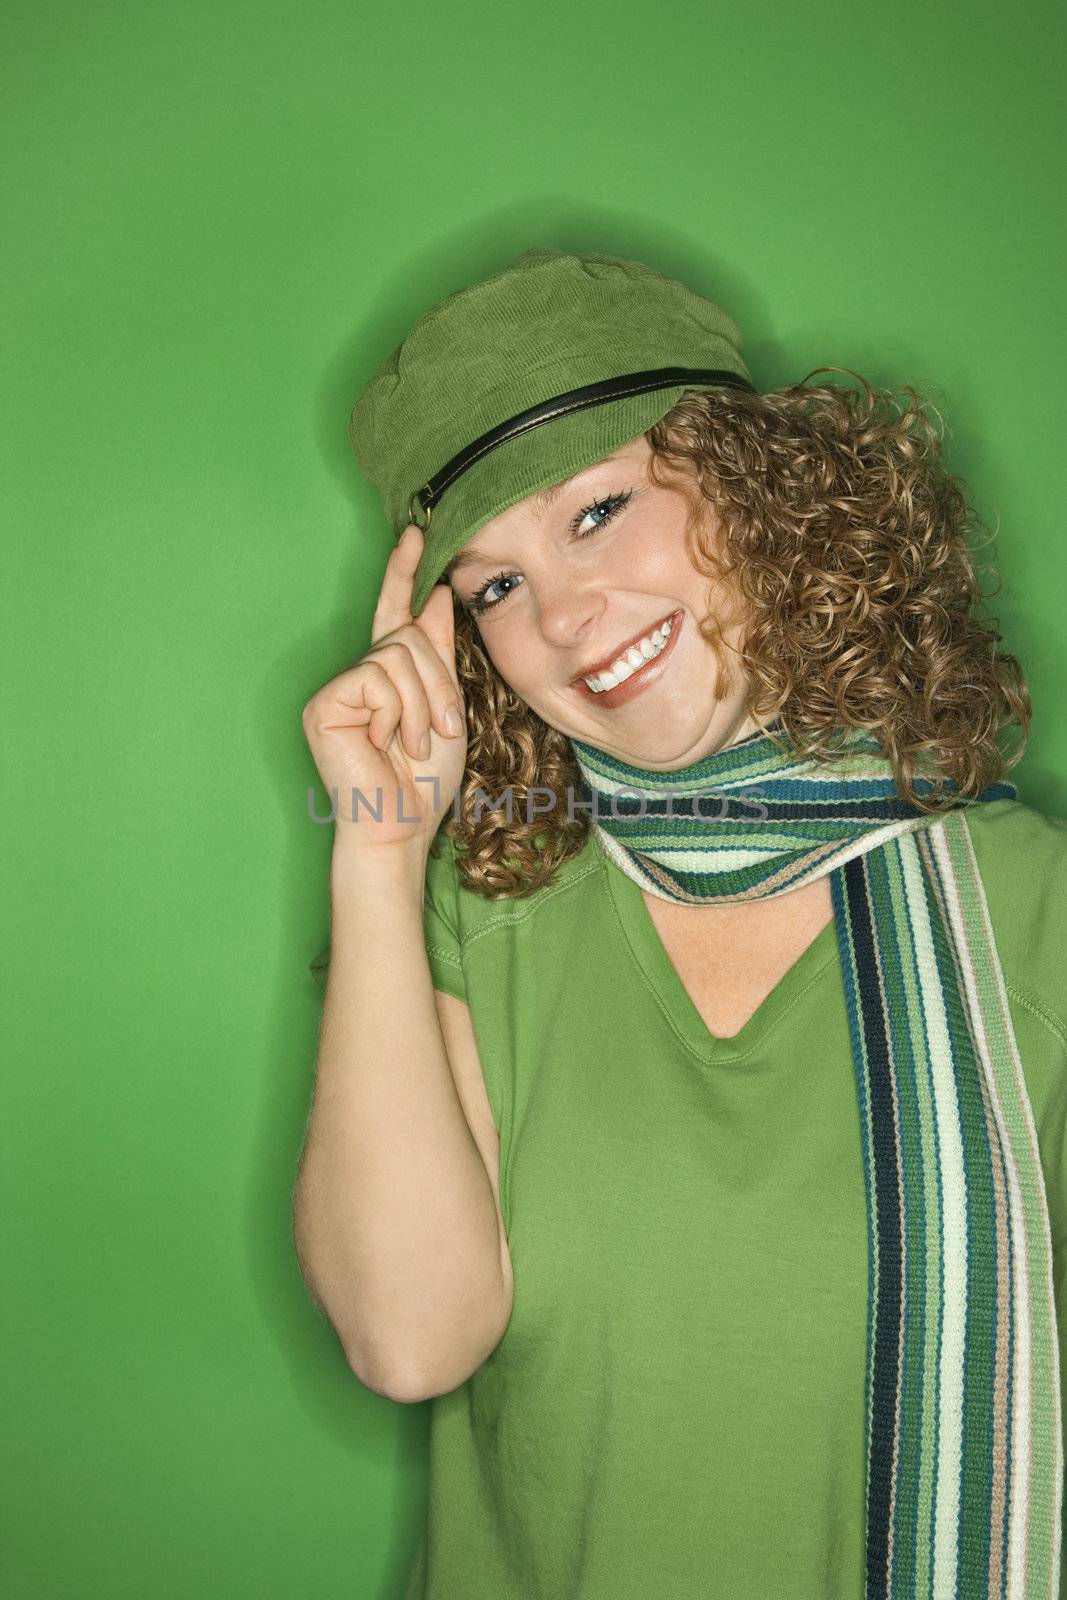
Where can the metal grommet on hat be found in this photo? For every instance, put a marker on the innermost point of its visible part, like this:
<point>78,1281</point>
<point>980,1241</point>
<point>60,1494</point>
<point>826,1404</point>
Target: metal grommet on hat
<point>507,386</point>
<point>419,509</point>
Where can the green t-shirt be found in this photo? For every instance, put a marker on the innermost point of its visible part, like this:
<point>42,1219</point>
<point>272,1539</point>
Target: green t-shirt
<point>677,1406</point>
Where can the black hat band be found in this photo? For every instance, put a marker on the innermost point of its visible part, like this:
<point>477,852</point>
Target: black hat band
<point>591,394</point>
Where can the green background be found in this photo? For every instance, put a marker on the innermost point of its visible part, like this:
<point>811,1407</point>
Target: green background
<point>219,218</point>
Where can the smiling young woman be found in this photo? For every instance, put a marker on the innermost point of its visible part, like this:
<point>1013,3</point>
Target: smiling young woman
<point>690,1123</point>
<point>829,582</point>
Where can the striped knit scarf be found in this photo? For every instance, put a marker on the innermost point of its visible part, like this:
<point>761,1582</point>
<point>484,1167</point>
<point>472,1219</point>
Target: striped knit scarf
<point>964,1469</point>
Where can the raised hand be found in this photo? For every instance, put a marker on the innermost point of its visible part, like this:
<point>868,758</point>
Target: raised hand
<point>382,722</point>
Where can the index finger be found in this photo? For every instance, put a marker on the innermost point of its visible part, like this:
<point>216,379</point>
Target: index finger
<point>398,584</point>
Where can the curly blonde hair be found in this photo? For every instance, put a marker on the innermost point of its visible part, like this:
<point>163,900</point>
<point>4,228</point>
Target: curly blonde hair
<point>843,537</point>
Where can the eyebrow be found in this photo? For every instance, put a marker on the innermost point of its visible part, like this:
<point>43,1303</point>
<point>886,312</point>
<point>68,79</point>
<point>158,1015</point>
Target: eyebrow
<point>543,500</point>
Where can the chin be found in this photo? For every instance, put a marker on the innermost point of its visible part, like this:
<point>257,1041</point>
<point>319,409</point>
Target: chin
<point>663,747</point>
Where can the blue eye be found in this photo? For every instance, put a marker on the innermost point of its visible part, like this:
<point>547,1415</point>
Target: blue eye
<point>478,604</point>
<point>614,503</point>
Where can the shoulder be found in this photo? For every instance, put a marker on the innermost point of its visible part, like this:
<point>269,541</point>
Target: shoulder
<point>472,916</point>
<point>1022,857</point>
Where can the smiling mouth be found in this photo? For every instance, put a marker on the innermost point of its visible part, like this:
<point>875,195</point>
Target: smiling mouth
<point>640,672</point>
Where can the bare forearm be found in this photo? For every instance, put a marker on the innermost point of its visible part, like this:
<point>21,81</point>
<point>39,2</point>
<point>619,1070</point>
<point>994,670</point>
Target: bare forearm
<point>395,1223</point>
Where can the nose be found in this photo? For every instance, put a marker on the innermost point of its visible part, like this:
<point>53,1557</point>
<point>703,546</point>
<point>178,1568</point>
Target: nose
<point>568,608</point>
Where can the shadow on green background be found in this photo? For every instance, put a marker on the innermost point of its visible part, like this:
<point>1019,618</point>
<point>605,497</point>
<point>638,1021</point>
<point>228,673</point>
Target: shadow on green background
<point>222,218</point>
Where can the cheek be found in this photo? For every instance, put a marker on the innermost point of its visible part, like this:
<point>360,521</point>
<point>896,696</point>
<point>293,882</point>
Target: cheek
<point>524,670</point>
<point>508,660</point>
<point>655,557</point>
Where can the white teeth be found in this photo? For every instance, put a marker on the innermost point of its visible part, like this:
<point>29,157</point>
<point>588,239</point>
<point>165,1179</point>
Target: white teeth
<point>635,657</point>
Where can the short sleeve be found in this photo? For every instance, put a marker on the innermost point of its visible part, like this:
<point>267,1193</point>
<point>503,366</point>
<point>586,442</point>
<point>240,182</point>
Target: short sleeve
<point>440,930</point>
<point>440,923</point>
<point>320,966</point>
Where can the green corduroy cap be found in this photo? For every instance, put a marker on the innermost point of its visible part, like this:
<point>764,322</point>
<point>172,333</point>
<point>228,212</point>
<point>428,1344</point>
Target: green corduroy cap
<point>535,373</point>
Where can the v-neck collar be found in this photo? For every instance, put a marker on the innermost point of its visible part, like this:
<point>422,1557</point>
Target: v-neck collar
<point>660,974</point>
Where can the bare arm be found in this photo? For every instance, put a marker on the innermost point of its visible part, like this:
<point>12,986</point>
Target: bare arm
<point>397,1222</point>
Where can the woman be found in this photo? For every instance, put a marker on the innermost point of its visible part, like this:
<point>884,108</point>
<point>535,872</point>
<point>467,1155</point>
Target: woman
<point>691,1121</point>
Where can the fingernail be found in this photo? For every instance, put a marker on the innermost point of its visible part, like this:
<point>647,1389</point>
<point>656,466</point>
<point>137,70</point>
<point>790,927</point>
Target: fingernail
<point>424,745</point>
<point>453,721</point>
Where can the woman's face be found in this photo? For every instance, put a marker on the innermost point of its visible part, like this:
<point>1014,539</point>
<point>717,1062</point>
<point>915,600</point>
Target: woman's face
<point>568,582</point>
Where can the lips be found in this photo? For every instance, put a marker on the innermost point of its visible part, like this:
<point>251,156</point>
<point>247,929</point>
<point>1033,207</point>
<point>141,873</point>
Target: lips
<point>640,679</point>
<point>602,666</point>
